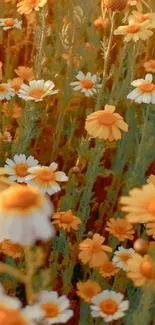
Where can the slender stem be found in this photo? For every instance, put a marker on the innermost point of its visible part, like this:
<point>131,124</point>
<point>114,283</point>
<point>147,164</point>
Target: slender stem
<point>61,112</point>
<point>5,268</point>
<point>40,45</point>
<point>29,275</point>
<point>106,60</point>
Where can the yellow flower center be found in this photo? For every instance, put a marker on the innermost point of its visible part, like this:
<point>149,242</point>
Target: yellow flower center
<point>147,87</point>
<point>124,257</point>
<point>19,197</point>
<point>9,22</point>
<point>88,84</point>
<point>96,247</point>
<point>45,174</point>
<point>108,306</point>
<point>89,292</point>
<point>37,93</point>
<point>106,118</point>
<point>66,217</point>
<point>51,309</point>
<point>21,169</point>
<point>11,317</point>
<point>108,267</point>
<point>121,230</point>
<point>146,269</point>
<point>151,207</point>
<point>3,89</point>
<point>132,29</point>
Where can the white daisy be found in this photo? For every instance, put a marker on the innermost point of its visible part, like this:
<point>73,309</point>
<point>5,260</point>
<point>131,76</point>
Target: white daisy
<point>46,178</point>
<point>121,257</point>
<point>11,312</point>
<point>56,308</point>
<point>18,167</point>
<point>109,305</point>
<point>6,136</point>
<point>9,23</point>
<point>87,84</point>
<point>144,92</point>
<point>6,91</point>
<point>37,90</point>
<point>25,215</point>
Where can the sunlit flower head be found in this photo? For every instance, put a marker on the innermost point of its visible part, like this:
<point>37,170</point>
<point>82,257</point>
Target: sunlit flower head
<point>46,178</point>
<point>15,84</point>
<point>6,136</point>
<point>87,290</point>
<point>11,249</point>
<point>25,73</point>
<point>105,124</point>
<point>149,66</point>
<point>87,84</point>
<point>121,257</point>
<point>56,309</point>
<point>93,251</point>
<point>109,305</point>
<point>115,5</point>
<point>66,220</point>
<point>108,269</point>
<point>26,6</point>
<point>140,204</point>
<point>134,31</point>
<point>19,167</point>
<point>151,229</point>
<point>144,91</point>
<point>141,269</point>
<point>139,17</point>
<point>24,215</point>
<point>6,91</point>
<point>120,228</point>
<point>37,90</point>
<point>11,312</point>
<point>9,23</point>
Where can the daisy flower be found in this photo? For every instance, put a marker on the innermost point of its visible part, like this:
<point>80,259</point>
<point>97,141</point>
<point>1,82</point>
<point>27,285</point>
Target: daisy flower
<point>105,124</point>
<point>87,84</point>
<point>37,90</point>
<point>6,91</point>
<point>93,251</point>
<point>139,17</point>
<point>121,257</point>
<point>11,312</point>
<point>18,167</point>
<point>87,290</point>
<point>56,308</point>
<point>140,269</point>
<point>144,92</point>
<point>108,269</point>
<point>6,136</point>
<point>46,178</point>
<point>66,220</point>
<point>9,23</point>
<point>149,66</point>
<point>26,6</point>
<point>109,305</point>
<point>140,204</point>
<point>24,215</point>
<point>134,31</point>
<point>24,73</point>
<point>15,84</point>
<point>120,228</point>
